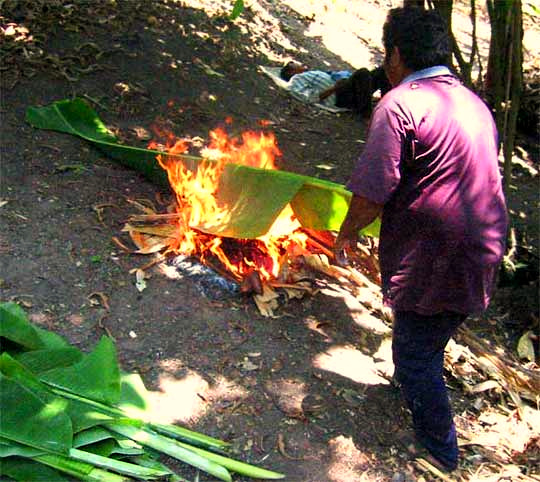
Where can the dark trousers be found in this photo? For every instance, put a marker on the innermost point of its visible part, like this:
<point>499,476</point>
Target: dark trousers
<point>418,352</point>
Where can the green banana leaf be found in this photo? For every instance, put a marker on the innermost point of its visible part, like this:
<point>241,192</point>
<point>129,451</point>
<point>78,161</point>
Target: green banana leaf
<point>50,418</point>
<point>29,420</point>
<point>134,398</point>
<point>171,448</point>
<point>254,197</point>
<point>15,327</point>
<point>111,448</point>
<point>80,470</point>
<point>82,415</point>
<point>9,448</point>
<point>147,461</point>
<point>102,442</point>
<point>90,436</point>
<point>22,469</point>
<point>104,447</point>
<point>40,361</point>
<point>101,380</point>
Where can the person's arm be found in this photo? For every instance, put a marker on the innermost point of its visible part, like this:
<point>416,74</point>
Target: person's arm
<point>332,90</point>
<point>327,93</point>
<point>361,213</point>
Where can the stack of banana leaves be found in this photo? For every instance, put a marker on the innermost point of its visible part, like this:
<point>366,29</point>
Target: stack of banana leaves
<point>67,414</point>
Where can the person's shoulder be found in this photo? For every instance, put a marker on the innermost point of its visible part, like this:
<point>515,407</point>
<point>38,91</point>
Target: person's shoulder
<point>398,103</point>
<point>409,92</point>
<point>395,96</point>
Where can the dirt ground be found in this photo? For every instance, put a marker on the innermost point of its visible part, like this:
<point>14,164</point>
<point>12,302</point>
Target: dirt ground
<point>299,393</point>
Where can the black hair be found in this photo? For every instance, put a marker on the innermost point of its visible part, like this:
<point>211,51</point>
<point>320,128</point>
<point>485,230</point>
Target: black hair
<point>420,35</point>
<point>356,91</point>
<point>288,70</point>
<point>379,81</point>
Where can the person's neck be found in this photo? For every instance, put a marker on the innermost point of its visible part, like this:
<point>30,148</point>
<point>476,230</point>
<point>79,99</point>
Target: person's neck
<point>427,72</point>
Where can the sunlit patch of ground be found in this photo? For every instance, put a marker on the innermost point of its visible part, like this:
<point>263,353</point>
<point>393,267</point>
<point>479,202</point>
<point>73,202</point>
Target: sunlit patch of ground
<point>353,30</point>
<point>350,363</point>
<point>349,463</point>
<point>190,397</point>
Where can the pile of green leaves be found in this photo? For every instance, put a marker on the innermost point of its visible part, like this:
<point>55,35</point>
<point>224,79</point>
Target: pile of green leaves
<point>65,412</point>
<point>254,197</point>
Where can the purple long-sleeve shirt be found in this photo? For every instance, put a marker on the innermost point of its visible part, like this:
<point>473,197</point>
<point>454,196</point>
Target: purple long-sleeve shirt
<point>431,159</point>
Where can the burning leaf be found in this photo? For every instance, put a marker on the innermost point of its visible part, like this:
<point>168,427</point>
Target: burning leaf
<point>255,197</point>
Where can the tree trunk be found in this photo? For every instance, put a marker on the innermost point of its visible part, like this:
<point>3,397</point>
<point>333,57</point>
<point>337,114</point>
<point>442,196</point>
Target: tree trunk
<point>504,78</point>
<point>514,89</point>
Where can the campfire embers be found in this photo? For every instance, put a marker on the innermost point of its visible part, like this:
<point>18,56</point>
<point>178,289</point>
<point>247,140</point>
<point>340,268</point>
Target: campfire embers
<point>284,258</point>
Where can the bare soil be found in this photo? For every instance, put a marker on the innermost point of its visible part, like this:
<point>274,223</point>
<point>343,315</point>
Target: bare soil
<point>214,363</point>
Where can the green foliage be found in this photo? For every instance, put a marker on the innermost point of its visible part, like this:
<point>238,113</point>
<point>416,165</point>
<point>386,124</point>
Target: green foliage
<point>28,417</point>
<point>19,468</point>
<point>65,410</point>
<point>101,381</point>
<point>14,326</point>
<point>237,10</point>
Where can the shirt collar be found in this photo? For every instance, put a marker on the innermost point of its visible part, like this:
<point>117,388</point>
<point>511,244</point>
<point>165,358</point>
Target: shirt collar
<point>426,73</point>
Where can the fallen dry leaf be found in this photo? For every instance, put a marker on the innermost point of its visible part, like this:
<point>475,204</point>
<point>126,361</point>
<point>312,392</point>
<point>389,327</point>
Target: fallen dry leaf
<point>99,298</point>
<point>525,347</point>
<point>281,448</point>
<point>141,133</point>
<point>267,302</point>
<point>248,365</point>
<point>140,282</point>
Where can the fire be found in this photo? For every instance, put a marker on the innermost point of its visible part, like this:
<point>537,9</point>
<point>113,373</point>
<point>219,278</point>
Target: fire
<point>197,207</point>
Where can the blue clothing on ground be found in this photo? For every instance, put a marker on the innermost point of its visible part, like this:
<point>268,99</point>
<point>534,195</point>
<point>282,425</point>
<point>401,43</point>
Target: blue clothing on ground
<point>308,85</point>
<point>339,74</point>
<point>418,353</point>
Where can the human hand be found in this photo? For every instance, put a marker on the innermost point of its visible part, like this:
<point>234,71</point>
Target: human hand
<point>344,246</point>
<point>360,214</point>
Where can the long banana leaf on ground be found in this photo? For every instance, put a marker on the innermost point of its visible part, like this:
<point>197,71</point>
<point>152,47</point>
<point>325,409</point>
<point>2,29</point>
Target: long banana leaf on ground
<point>254,197</point>
<point>66,414</point>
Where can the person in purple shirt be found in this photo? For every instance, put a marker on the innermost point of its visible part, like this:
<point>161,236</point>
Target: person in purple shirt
<point>430,169</point>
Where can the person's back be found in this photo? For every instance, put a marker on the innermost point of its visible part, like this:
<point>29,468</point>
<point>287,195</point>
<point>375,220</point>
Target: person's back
<point>447,214</point>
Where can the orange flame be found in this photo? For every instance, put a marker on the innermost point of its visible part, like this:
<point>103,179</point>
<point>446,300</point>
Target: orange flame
<point>195,192</point>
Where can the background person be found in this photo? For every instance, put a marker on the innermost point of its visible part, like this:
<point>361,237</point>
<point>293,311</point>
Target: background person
<point>430,168</point>
<point>336,88</point>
